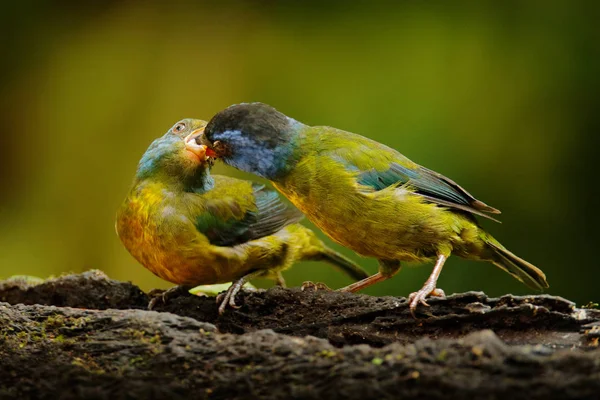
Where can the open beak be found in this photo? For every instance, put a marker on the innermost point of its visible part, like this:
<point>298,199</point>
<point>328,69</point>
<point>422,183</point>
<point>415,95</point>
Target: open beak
<point>200,150</point>
<point>202,141</point>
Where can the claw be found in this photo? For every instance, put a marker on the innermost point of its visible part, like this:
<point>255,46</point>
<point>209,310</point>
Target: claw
<point>312,286</point>
<point>232,303</point>
<point>228,298</point>
<point>416,298</point>
<point>164,296</point>
<point>224,300</point>
<point>154,302</point>
<point>429,289</point>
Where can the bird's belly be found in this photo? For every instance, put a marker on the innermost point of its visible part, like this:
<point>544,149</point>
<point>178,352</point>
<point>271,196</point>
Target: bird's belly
<point>173,255</point>
<point>375,227</point>
<point>371,238</point>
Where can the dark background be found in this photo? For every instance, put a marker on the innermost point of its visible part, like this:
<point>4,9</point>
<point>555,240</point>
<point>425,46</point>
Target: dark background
<point>500,96</point>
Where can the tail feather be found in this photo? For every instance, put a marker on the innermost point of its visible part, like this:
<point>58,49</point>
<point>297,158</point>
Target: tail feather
<point>334,258</point>
<point>517,267</point>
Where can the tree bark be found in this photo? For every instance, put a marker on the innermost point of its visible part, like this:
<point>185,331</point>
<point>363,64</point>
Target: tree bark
<point>86,336</point>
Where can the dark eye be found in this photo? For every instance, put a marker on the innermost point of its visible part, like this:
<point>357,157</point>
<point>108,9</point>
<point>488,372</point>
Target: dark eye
<point>179,127</point>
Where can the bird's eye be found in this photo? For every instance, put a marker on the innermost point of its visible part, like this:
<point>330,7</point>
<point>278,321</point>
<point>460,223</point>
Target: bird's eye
<point>179,127</point>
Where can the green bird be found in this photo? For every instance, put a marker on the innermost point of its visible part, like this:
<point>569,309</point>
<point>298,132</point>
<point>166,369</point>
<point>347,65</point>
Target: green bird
<point>363,195</point>
<point>192,228</point>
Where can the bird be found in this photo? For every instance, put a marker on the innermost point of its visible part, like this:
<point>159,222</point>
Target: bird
<point>364,195</point>
<point>192,228</point>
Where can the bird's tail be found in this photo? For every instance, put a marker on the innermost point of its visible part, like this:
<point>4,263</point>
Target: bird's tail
<point>334,258</point>
<point>516,266</point>
<point>316,250</point>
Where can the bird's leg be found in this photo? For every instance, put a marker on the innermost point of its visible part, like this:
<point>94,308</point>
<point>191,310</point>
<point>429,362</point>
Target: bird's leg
<point>356,286</point>
<point>428,288</point>
<point>280,280</point>
<point>387,269</point>
<point>165,295</point>
<point>228,298</point>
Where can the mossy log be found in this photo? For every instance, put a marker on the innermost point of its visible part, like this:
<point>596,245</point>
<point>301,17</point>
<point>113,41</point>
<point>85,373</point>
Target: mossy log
<point>86,336</point>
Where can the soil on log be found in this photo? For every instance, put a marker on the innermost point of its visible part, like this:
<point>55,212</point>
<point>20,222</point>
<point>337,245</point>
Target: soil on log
<point>86,336</point>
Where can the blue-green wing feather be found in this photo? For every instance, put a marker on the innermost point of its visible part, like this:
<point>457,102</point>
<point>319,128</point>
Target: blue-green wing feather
<point>225,223</point>
<point>432,186</point>
<point>377,167</point>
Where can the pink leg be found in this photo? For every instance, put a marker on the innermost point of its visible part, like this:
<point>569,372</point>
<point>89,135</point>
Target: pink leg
<point>387,269</point>
<point>356,286</point>
<point>429,289</point>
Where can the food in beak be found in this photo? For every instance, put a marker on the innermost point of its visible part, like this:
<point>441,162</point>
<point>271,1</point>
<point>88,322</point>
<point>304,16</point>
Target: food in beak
<point>209,152</point>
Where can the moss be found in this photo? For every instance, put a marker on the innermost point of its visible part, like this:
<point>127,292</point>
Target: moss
<point>245,368</point>
<point>36,332</point>
<point>143,336</point>
<point>153,341</point>
<point>442,355</point>
<point>327,353</point>
<point>22,339</point>
<point>27,280</point>
<point>591,305</point>
<point>88,363</point>
<point>139,360</point>
<point>59,323</point>
<point>135,333</point>
<point>62,339</point>
<point>55,321</point>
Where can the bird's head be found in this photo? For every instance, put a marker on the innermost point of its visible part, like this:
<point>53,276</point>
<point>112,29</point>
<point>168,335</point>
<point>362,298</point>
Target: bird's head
<point>176,154</point>
<point>253,137</point>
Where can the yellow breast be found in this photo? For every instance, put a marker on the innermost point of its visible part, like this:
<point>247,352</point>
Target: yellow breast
<point>165,243</point>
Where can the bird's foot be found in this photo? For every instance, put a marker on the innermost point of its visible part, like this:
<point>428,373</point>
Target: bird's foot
<point>227,299</point>
<point>163,296</point>
<point>309,286</point>
<point>416,298</point>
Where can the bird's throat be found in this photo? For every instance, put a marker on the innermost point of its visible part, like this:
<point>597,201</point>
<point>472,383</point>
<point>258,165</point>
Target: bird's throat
<point>200,182</point>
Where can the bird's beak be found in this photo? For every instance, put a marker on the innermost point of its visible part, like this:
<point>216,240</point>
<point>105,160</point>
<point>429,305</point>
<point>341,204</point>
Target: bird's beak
<point>198,149</point>
<point>203,141</point>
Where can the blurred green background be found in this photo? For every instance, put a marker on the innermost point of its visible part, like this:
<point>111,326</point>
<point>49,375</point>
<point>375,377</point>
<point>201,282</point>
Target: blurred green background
<point>500,96</point>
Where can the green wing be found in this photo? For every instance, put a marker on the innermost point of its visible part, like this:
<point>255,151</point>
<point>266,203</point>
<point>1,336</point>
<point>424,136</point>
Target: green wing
<point>378,167</point>
<point>243,211</point>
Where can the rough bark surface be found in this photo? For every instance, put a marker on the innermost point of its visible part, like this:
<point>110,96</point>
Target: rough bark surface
<point>289,343</point>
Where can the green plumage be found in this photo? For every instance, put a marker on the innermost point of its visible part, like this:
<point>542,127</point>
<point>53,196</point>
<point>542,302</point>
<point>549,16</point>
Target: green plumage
<point>237,212</point>
<point>191,228</point>
<point>390,207</point>
<point>363,194</point>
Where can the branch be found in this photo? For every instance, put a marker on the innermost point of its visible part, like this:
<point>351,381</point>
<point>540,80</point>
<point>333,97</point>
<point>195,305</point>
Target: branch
<point>471,346</point>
